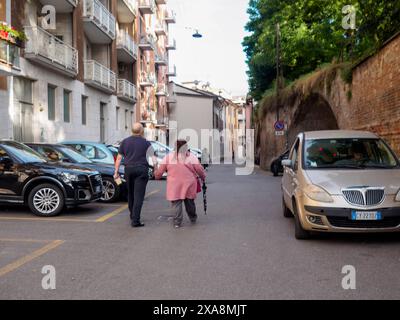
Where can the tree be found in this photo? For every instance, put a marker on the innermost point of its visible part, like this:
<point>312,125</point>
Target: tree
<point>312,34</point>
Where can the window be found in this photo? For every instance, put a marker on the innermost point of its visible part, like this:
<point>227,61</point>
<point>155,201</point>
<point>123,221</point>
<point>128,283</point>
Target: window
<point>51,102</point>
<point>67,106</point>
<point>295,155</point>
<point>84,111</point>
<point>117,118</point>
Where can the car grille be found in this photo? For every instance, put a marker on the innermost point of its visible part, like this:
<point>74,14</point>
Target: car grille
<point>364,196</point>
<point>344,222</point>
<point>96,181</point>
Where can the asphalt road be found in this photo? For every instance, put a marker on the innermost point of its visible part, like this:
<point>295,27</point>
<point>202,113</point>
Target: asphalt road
<point>243,249</point>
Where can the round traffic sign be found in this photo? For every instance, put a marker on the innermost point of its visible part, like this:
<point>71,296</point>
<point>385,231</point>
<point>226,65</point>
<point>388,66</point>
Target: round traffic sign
<point>279,126</point>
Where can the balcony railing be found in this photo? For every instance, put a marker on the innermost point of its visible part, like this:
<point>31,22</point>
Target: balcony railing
<point>99,76</point>
<point>47,49</point>
<point>126,43</point>
<point>170,16</point>
<point>126,90</point>
<point>171,45</point>
<point>9,58</point>
<point>147,6</point>
<point>161,59</point>
<point>94,11</point>
<point>147,42</point>
<point>161,29</point>
<point>162,90</point>
<point>172,73</point>
<point>147,79</point>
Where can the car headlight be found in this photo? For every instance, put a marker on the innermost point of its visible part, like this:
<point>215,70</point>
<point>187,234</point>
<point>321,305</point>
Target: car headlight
<point>317,193</point>
<point>69,177</point>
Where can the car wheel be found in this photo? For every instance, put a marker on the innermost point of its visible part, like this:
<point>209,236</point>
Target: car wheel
<point>275,170</point>
<point>110,190</point>
<point>286,212</point>
<point>299,232</point>
<point>46,200</point>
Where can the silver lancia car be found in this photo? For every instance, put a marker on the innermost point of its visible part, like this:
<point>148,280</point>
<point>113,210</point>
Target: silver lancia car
<point>341,181</point>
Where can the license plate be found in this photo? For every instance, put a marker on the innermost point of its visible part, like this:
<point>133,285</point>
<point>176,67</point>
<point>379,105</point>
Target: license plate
<point>366,215</point>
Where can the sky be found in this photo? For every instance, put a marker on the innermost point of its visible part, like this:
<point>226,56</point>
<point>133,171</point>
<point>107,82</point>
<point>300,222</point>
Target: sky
<point>218,57</point>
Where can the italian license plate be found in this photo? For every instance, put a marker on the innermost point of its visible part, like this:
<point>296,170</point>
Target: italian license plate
<point>366,215</point>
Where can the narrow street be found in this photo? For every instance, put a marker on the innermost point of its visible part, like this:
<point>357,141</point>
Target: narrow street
<point>243,249</point>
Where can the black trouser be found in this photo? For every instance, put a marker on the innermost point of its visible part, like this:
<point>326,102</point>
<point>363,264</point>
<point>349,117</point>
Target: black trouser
<point>137,178</point>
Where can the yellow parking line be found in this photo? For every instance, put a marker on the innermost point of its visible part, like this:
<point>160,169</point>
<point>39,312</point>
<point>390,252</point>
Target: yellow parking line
<point>112,214</point>
<point>20,262</point>
<point>121,209</point>
<point>25,240</point>
<point>46,219</point>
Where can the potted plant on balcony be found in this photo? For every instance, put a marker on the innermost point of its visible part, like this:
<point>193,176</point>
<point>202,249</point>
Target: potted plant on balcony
<point>11,35</point>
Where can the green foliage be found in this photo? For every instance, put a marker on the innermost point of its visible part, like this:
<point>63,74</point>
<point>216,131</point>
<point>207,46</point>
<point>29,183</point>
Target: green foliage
<point>311,35</point>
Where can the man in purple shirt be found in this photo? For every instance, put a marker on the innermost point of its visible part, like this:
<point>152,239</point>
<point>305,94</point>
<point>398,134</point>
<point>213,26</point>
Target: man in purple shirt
<point>134,150</point>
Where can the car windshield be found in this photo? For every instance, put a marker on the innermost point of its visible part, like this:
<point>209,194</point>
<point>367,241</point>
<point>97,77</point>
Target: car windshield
<point>74,155</point>
<point>23,153</point>
<point>348,153</point>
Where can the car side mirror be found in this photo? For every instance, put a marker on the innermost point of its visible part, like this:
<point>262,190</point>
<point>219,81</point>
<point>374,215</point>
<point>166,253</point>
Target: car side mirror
<point>287,163</point>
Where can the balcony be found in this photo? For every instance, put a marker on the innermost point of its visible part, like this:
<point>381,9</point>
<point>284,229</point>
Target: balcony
<point>9,59</point>
<point>161,29</point>
<point>126,90</point>
<point>99,76</point>
<point>161,59</point>
<point>170,16</point>
<point>99,23</point>
<point>126,11</point>
<point>171,99</point>
<point>147,6</point>
<point>172,73</point>
<point>171,45</point>
<point>147,80</point>
<point>127,49</point>
<point>162,90</point>
<point>147,42</point>
<point>44,48</point>
<point>61,6</point>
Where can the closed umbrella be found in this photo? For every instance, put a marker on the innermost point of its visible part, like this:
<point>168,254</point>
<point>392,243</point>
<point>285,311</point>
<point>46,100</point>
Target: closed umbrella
<point>205,197</point>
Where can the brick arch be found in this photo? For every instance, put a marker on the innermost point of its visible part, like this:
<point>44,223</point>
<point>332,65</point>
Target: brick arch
<point>312,113</point>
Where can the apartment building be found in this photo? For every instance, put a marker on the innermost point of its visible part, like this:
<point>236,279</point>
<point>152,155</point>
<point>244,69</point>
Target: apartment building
<point>87,71</point>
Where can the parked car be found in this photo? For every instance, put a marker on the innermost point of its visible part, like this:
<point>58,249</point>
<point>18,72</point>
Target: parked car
<point>61,153</point>
<point>276,165</point>
<point>47,188</point>
<point>96,152</point>
<point>341,181</point>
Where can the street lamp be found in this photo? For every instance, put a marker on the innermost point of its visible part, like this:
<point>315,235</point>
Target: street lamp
<point>196,34</point>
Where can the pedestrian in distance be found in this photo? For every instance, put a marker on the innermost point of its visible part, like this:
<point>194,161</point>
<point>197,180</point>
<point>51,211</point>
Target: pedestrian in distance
<point>205,158</point>
<point>183,181</point>
<point>135,151</point>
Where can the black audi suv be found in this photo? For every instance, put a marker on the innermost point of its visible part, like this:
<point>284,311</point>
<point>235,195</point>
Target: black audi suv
<point>47,188</point>
<point>61,153</point>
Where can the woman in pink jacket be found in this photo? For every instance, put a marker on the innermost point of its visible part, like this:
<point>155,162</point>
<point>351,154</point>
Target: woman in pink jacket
<point>183,169</point>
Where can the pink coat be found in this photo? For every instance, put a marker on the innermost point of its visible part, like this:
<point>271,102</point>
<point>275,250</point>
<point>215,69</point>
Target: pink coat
<point>181,180</point>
